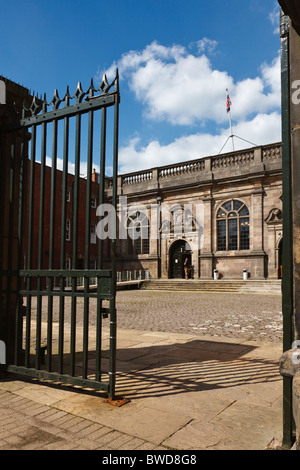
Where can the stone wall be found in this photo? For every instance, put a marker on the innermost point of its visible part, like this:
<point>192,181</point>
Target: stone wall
<point>253,176</point>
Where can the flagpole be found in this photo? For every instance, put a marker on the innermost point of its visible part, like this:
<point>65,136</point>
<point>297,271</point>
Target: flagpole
<point>229,117</point>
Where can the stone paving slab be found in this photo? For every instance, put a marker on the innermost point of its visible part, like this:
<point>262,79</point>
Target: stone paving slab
<point>186,392</point>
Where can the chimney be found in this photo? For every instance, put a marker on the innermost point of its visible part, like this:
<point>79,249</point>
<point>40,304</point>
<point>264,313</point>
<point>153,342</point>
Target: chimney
<point>95,176</point>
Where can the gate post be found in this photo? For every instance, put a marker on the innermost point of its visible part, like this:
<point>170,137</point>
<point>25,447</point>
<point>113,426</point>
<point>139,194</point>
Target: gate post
<point>12,163</point>
<point>289,362</point>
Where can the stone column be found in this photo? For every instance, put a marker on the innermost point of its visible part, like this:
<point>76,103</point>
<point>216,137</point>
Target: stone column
<point>274,229</point>
<point>257,164</point>
<point>257,248</point>
<point>206,255</point>
<point>295,162</point>
<point>164,258</point>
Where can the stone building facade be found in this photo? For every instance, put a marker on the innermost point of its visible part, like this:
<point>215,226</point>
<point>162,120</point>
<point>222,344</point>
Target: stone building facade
<point>223,212</point>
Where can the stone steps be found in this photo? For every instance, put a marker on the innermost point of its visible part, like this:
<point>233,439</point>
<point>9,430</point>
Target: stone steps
<point>238,286</point>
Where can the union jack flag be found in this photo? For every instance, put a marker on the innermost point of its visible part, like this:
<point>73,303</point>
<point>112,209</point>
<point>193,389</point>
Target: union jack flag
<point>228,103</point>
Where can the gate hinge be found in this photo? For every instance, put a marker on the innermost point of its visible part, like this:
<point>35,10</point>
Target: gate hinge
<point>117,402</point>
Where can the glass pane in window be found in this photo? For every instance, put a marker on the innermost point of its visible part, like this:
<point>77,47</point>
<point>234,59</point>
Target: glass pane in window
<point>221,229</point>
<point>227,205</point>
<point>221,214</point>
<point>145,247</point>
<point>93,238</point>
<point>244,234</point>
<point>237,205</point>
<point>244,211</point>
<point>138,246</point>
<point>144,232</point>
<point>232,234</point>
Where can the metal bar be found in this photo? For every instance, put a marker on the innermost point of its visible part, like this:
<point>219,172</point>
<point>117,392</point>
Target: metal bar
<point>75,239</point>
<point>85,328</point>
<point>76,190</point>
<point>73,329</point>
<point>287,256</point>
<point>100,244</point>
<point>102,179</point>
<point>64,378</point>
<point>63,245</point>
<point>21,209</point>
<point>74,110</point>
<point>113,313</point>
<point>51,243</point>
<point>105,273</point>
<point>10,240</point>
<point>2,217</point>
<point>66,293</point>
<point>40,244</point>
<point>87,244</point>
<point>52,195</point>
<point>98,332</point>
<point>30,242</point>
<point>88,191</point>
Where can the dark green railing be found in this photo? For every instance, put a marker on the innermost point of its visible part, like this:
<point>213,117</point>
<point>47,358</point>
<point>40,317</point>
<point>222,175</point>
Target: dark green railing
<point>42,212</point>
<point>287,256</point>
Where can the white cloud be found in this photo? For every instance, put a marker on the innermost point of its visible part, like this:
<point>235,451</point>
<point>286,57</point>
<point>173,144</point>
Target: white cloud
<point>259,95</point>
<point>71,166</point>
<point>274,17</point>
<point>206,44</point>
<point>264,128</point>
<point>178,87</point>
<point>184,89</point>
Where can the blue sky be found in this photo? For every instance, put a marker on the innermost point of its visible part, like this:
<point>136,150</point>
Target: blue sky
<point>176,59</point>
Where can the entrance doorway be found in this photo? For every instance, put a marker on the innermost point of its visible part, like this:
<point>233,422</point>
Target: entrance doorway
<point>179,251</point>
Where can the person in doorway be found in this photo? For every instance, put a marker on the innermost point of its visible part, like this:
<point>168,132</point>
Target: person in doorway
<point>187,267</point>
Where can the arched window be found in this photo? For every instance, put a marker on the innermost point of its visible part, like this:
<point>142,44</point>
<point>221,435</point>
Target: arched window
<point>138,234</point>
<point>233,226</point>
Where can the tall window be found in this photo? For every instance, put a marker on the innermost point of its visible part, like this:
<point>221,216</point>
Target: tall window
<point>138,234</point>
<point>233,227</point>
<point>68,267</point>
<point>93,234</point>
<point>68,230</point>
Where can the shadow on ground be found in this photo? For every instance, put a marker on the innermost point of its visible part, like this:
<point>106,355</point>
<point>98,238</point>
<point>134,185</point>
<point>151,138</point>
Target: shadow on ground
<point>162,370</point>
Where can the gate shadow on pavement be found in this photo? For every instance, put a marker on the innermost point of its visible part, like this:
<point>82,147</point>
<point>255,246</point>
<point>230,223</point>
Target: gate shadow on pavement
<point>171,369</point>
<point>197,365</point>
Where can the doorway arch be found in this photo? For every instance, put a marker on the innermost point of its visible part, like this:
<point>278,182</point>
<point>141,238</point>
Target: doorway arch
<point>179,250</point>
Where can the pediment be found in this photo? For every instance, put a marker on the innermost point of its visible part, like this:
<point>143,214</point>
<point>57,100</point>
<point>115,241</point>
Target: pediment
<point>274,217</point>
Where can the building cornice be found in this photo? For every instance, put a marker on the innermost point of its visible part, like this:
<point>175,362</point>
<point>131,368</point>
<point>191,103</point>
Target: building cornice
<point>258,162</point>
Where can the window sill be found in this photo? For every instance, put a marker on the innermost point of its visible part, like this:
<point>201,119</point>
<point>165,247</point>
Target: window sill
<point>232,253</point>
<point>134,257</point>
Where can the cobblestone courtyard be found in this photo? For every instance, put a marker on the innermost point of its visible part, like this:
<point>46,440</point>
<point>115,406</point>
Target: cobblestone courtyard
<point>252,316</point>
<point>239,316</point>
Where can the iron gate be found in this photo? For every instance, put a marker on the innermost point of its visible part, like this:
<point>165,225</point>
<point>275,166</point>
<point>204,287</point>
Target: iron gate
<point>52,208</point>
